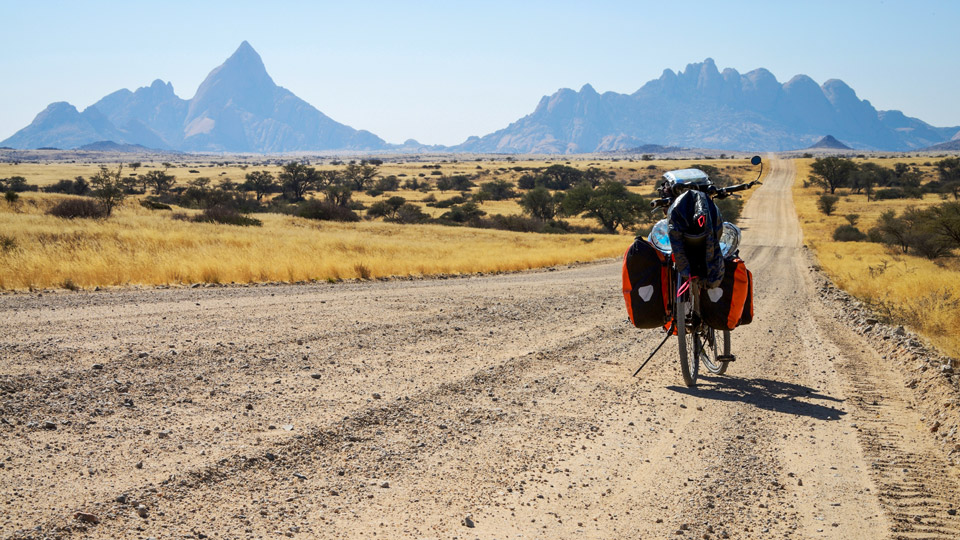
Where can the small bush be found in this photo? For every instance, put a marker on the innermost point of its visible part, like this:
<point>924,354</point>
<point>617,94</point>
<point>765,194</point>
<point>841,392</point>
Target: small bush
<point>827,203</point>
<point>325,211</point>
<point>78,208</point>
<point>897,193</point>
<point>848,233</point>
<point>17,184</point>
<point>227,216</point>
<point>154,205</point>
<point>11,197</point>
<point>362,270</point>
<point>730,209</point>
<point>409,213</point>
<point>7,243</point>
<point>70,285</point>
<point>447,203</point>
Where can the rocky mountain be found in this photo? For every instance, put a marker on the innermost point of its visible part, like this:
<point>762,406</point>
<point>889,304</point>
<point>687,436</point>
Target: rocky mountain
<point>702,107</point>
<point>237,108</point>
<point>828,142</point>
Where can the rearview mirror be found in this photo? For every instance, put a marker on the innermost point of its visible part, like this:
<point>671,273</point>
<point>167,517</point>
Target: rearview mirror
<point>755,160</point>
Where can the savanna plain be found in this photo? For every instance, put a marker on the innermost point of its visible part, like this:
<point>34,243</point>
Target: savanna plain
<point>491,403</point>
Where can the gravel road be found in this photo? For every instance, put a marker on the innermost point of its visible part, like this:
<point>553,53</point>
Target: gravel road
<point>480,407</point>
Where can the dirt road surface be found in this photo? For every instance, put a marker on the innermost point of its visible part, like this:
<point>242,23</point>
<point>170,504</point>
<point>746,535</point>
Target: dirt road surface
<point>483,407</point>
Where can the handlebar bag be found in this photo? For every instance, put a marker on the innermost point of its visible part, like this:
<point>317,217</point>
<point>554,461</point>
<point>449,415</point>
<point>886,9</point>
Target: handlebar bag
<point>646,282</point>
<point>731,303</point>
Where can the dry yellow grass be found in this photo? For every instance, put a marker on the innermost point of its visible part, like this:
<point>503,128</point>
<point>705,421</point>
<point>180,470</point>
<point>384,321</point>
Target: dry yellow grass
<point>137,246</point>
<point>922,294</point>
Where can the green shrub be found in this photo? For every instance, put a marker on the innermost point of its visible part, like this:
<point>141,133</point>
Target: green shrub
<point>78,208</point>
<point>848,233</point>
<point>409,213</point>
<point>326,211</point>
<point>908,192</point>
<point>827,203</point>
<point>730,209</point>
<point>226,215</point>
<point>154,205</point>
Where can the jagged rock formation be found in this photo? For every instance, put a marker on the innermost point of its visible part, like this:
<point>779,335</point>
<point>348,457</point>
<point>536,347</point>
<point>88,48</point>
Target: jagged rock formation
<point>701,107</point>
<point>237,108</point>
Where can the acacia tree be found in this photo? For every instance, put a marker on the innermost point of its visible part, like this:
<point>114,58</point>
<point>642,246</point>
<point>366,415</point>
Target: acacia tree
<point>613,205</point>
<point>160,181</point>
<point>297,179</point>
<point>261,182</point>
<point>108,188</point>
<point>361,175</point>
<point>832,172</point>
<point>949,170</point>
<point>539,203</point>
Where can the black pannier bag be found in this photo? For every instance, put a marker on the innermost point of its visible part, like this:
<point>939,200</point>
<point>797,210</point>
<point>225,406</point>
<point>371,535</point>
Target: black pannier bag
<point>731,304</point>
<point>646,285</point>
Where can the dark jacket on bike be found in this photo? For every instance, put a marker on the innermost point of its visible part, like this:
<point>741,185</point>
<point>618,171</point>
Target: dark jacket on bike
<point>695,227</point>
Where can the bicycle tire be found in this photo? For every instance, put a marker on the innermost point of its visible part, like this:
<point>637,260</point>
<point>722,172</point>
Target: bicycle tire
<point>689,346</point>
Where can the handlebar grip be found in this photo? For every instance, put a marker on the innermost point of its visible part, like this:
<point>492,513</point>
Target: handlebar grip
<point>659,203</point>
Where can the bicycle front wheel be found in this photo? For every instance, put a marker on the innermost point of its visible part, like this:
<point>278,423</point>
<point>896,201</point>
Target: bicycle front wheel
<point>690,348</point>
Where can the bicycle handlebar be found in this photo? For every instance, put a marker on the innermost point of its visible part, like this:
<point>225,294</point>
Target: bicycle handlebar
<point>660,203</point>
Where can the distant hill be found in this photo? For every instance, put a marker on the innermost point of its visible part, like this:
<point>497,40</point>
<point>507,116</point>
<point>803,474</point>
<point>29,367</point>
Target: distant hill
<point>652,149</point>
<point>701,107</point>
<point>237,108</point>
<point>110,146</point>
<point>953,145</point>
<point>829,142</point>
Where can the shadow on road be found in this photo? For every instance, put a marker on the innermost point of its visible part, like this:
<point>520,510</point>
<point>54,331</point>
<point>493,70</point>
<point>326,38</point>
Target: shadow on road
<point>779,396</point>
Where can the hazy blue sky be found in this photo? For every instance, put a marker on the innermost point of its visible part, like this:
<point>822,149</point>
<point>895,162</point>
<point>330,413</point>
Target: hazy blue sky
<point>441,71</point>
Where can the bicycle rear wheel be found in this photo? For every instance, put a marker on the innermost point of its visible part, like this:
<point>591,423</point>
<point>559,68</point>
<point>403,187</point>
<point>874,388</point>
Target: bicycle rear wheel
<point>715,344</point>
<point>690,347</point>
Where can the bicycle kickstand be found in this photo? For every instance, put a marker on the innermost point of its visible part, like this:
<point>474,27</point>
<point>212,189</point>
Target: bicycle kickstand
<point>669,333</point>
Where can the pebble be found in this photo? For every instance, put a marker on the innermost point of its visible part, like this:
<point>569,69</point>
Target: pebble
<point>86,518</point>
<point>468,521</point>
<point>142,511</point>
<point>315,375</point>
<point>376,395</point>
<point>249,406</point>
<point>98,366</point>
<point>48,425</point>
<point>122,499</point>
